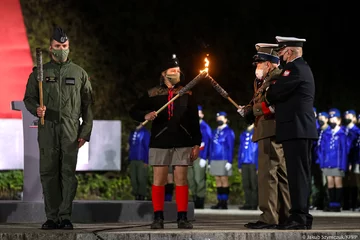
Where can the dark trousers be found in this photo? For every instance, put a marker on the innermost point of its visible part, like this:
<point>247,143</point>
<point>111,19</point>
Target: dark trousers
<point>298,164</point>
<point>250,185</point>
<point>318,191</point>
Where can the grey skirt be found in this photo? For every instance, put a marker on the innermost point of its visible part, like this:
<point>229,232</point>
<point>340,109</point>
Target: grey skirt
<point>334,172</point>
<point>217,168</point>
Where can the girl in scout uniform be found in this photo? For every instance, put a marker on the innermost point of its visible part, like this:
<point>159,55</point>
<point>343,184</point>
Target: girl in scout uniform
<point>221,158</point>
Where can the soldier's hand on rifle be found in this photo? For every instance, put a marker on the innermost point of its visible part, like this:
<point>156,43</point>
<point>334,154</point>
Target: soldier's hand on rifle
<point>151,116</point>
<point>40,111</point>
<point>194,153</point>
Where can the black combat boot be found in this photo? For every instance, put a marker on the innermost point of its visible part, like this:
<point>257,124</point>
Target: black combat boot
<point>158,222</point>
<point>223,204</point>
<point>66,224</point>
<point>183,222</point>
<point>49,225</point>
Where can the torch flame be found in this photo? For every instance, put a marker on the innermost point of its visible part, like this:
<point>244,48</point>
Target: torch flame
<point>207,62</point>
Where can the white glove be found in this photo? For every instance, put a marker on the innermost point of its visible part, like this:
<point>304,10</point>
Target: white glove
<point>209,166</point>
<point>202,163</point>
<point>228,166</point>
<point>241,110</point>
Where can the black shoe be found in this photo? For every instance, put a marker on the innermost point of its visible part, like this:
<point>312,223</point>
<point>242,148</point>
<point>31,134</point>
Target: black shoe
<point>49,224</point>
<point>183,222</point>
<point>292,225</point>
<point>332,209</point>
<point>247,207</point>
<point>260,225</point>
<point>141,198</point>
<point>158,222</point>
<point>223,204</point>
<point>254,208</point>
<point>217,206</point>
<point>66,225</point>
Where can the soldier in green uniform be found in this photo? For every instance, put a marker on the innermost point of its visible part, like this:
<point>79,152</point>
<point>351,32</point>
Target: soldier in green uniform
<point>67,96</point>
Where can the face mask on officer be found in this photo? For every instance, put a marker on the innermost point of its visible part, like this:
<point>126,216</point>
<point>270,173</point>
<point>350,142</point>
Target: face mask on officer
<point>60,54</point>
<point>284,57</point>
<point>260,73</point>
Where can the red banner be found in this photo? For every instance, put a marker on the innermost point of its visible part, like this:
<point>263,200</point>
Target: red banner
<point>16,62</point>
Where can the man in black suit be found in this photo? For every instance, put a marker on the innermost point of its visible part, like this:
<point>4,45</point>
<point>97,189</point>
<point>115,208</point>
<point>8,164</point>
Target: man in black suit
<point>292,93</point>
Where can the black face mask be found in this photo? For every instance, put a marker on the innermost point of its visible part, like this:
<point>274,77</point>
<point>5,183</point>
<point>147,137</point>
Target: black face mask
<point>347,121</point>
<point>321,122</point>
<point>220,123</point>
<point>332,125</point>
<point>282,62</point>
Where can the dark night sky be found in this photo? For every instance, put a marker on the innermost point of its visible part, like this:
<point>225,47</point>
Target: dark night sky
<point>228,31</point>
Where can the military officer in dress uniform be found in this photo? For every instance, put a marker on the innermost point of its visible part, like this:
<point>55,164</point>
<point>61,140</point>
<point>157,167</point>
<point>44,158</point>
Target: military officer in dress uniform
<point>273,191</point>
<point>292,93</point>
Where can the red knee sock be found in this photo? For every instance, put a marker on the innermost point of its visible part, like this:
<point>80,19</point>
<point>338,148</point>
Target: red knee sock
<point>182,198</point>
<point>158,197</point>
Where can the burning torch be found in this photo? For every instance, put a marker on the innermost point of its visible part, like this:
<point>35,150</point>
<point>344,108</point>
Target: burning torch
<point>203,74</point>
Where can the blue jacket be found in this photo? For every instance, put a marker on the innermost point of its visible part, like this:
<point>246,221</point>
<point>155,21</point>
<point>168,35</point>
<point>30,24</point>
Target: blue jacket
<point>222,145</point>
<point>317,125</point>
<point>139,145</point>
<point>358,149</point>
<point>352,146</point>
<point>248,150</point>
<point>333,149</point>
<point>205,140</point>
<point>316,149</point>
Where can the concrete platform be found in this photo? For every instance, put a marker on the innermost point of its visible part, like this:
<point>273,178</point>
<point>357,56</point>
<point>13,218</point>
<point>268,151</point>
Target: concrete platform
<point>208,225</point>
<point>89,211</point>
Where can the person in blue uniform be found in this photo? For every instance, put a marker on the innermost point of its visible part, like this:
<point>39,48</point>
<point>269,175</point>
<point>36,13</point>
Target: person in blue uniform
<point>197,172</point>
<point>316,116</point>
<point>356,165</point>
<point>293,93</point>
<point>248,166</point>
<point>221,158</point>
<point>333,161</point>
<point>319,192</point>
<point>350,189</point>
<point>139,140</point>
